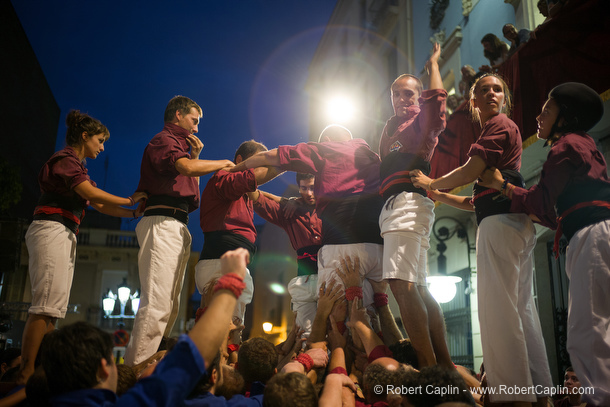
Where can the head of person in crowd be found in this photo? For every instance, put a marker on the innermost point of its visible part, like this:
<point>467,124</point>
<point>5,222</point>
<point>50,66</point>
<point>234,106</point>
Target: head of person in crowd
<point>405,93</point>
<point>510,32</point>
<point>183,112</point>
<point>306,183</point>
<point>257,361</point>
<point>85,134</point>
<point>335,132</point>
<point>571,107</point>
<point>493,47</point>
<point>543,8</point>
<point>404,353</point>
<point>439,385</point>
<point>9,359</point>
<point>126,379</point>
<point>220,380</point>
<point>382,374</point>
<point>572,386</point>
<point>290,389</point>
<point>489,96</point>
<point>247,149</point>
<point>453,102</point>
<point>468,74</point>
<point>208,382</point>
<point>232,383</point>
<point>76,357</point>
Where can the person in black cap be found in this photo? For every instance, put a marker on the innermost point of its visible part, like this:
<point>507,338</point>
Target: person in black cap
<point>573,196</point>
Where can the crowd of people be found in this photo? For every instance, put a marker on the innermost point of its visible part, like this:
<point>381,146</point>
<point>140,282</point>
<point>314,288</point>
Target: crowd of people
<point>361,224</point>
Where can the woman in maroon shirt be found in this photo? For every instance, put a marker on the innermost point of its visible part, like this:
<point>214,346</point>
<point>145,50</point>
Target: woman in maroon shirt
<point>573,195</point>
<point>51,238</point>
<point>513,346</point>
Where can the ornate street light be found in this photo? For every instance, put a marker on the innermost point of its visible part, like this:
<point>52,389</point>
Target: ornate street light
<point>124,295</point>
<point>443,287</point>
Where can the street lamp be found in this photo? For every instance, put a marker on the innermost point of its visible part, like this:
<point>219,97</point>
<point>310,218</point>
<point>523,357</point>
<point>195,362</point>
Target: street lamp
<point>443,287</point>
<point>124,295</point>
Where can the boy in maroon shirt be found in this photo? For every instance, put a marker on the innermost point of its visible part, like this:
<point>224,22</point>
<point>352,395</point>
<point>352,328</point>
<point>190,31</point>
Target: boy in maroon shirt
<point>304,229</point>
<point>226,220</point>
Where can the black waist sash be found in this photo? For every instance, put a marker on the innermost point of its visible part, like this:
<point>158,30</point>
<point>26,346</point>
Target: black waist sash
<point>395,175</point>
<point>217,243</point>
<point>353,219</point>
<point>67,210</point>
<point>572,220</point>
<point>488,202</point>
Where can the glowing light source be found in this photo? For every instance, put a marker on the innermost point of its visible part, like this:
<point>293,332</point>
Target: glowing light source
<point>277,288</point>
<point>267,327</point>
<point>443,288</point>
<point>340,109</point>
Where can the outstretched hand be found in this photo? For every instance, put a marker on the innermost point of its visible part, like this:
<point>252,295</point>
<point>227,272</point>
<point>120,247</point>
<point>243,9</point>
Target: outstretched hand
<point>349,272</point>
<point>436,53</point>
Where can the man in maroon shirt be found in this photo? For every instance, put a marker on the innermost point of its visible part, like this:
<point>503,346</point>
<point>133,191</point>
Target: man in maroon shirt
<point>170,177</point>
<point>226,220</point>
<point>304,228</point>
<point>347,199</point>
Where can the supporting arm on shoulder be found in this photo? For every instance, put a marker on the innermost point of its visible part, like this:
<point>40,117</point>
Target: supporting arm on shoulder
<point>262,159</point>
<point>196,167</point>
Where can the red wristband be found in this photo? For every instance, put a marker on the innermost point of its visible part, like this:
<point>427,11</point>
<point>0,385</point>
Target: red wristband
<point>380,299</point>
<point>232,348</point>
<point>339,370</point>
<point>199,313</point>
<point>352,292</point>
<point>306,361</point>
<point>231,282</point>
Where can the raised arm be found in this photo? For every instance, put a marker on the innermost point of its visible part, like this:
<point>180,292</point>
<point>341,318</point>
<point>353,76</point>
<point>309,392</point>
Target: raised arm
<point>213,326</point>
<point>436,81</point>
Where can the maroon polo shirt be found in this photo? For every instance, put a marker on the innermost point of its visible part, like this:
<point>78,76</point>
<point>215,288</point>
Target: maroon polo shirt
<point>572,160</point>
<point>225,207</point>
<point>342,168</point>
<point>158,173</point>
<point>347,184</point>
<point>418,133</point>
<point>304,228</point>
<point>62,172</point>
<point>499,144</point>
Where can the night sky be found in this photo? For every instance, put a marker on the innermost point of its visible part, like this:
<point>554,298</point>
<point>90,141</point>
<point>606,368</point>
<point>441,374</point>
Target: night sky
<point>244,62</point>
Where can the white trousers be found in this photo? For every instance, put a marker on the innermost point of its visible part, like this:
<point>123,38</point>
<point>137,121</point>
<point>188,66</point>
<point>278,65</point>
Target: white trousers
<point>371,261</point>
<point>405,221</point>
<point>165,247</point>
<point>513,347</point>
<point>52,253</point>
<point>208,271</point>
<point>304,300</point>
<point>588,268</point>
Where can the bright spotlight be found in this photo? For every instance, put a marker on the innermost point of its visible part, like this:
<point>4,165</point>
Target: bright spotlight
<point>267,327</point>
<point>340,110</point>
<point>277,288</point>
